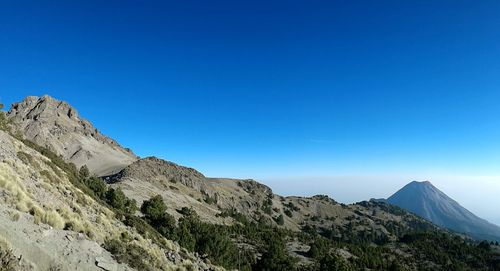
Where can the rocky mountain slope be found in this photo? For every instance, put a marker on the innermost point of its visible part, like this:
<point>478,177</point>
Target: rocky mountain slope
<point>185,187</point>
<point>56,125</point>
<point>54,215</point>
<point>425,200</point>
<point>394,234</point>
<point>49,221</point>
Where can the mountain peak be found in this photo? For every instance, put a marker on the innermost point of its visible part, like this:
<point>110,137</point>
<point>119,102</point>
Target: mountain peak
<point>57,126</point>
<point>423,186</point>
<point>427,201</point>
<point>421,183</point>
<point>34,107</point>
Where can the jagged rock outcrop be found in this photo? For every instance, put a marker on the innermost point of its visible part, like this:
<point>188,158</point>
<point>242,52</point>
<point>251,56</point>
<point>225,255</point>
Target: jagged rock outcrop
<point>153,168</point>
<point>56,125</point>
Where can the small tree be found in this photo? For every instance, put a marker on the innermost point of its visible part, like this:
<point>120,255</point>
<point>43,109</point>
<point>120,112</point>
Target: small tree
<point>184,235</point>
<point>280,220</point>
<point>116,198</point>
<point>98,186</point>
<point>154,208</point>
<point>318,249</point>
<point>187,212</point>
<point>131,206</point>
<point>155,213</point>
<point>334,262</point>
<point>484,245</point>
<point>84,172</point>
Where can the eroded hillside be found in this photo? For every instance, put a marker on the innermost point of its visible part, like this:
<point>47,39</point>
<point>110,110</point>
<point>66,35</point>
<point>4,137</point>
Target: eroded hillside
<point>49,223</point>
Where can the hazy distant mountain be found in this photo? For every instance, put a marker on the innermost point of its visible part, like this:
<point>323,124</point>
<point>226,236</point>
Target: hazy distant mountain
<point>425,200</point>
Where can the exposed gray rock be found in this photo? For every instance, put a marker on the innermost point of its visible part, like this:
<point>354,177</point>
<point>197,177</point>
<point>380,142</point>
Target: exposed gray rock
<point>57,126</point>
<point>105,264</point>
<point>150,168</point>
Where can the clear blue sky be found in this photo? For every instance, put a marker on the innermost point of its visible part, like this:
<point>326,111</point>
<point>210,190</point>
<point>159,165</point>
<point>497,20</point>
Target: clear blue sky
<point>272,89</point>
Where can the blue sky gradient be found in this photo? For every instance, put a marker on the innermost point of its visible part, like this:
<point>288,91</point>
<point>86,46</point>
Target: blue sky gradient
<point>286,92</point>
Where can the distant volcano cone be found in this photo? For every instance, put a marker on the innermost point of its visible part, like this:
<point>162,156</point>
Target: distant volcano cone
<point>425,200</point>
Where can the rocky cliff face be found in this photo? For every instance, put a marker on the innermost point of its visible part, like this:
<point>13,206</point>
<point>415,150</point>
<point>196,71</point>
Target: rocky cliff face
<point>56,125</point>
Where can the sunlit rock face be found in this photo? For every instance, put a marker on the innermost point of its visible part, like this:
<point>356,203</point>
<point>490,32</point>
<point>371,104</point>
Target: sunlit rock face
<point>56,125</point>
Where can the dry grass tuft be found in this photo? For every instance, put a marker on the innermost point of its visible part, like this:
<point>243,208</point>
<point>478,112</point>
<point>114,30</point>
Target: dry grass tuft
<point>14,215</point>
<point>8,261</point>
<point>53,219</point>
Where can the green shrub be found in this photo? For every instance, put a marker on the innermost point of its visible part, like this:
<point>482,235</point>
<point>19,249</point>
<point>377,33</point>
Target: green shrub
<point>187,212</point>
<point>117,199</point>
<point>97,185</point>
<point>208,199</point>
<point>153,208</point>
<point>129,253</point>
<point>319,248</point>
<point>292,206</point>
<point>25,157</point>
<point>155,213</point>
<point>4,123</point>
<point>275,256</point>
<point>212,240</point>
<point>184,235</point>
<point>279,220</point>
<point>48,176</point>
<point>267,206</point>
<point>334,262</point>
<point>84,172</point>
<point>145,229</point>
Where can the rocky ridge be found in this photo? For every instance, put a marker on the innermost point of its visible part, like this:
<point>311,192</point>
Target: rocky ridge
<point>57,126</point>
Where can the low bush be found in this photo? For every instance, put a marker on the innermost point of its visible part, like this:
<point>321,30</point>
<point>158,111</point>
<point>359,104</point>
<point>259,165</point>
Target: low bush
<point>132,254</point>
<point>8,261</point>
<point>25,157</point>
<point>117,199</point>
<point>97,186</point>
<point>279,220</point>
<point>4,123</point>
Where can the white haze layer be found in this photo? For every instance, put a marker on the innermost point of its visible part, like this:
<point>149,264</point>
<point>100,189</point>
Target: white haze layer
<point>479,194</point>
